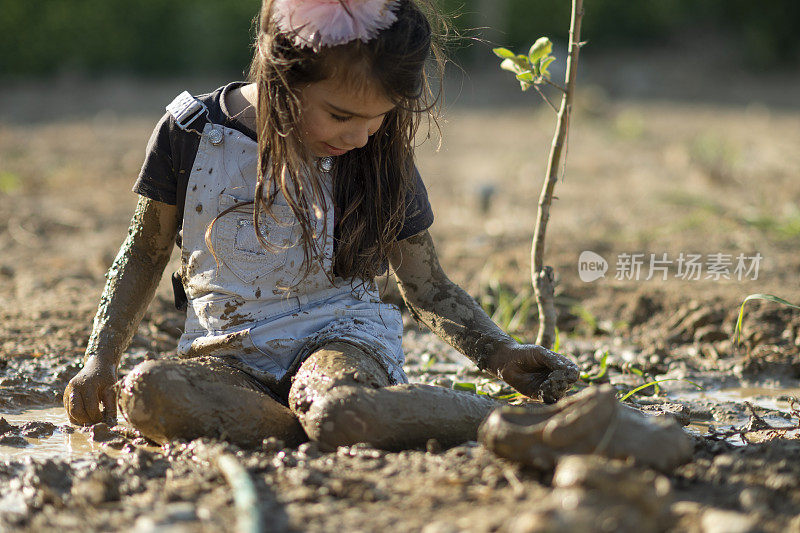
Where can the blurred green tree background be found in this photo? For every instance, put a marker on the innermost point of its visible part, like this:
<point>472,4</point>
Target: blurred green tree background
<point>158,37</point>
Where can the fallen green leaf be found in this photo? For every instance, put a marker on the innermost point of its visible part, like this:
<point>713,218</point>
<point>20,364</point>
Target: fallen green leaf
<point>600,373</point>
<point>465,386</point>
<point>655,384</point>
<point>507,397</point>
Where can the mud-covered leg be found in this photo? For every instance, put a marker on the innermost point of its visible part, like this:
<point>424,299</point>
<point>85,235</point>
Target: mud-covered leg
<point>342,396</point>
<point>185,399</point>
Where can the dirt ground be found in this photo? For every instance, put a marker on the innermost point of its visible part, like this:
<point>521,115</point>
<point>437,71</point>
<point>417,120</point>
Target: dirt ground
<point>650,172</point>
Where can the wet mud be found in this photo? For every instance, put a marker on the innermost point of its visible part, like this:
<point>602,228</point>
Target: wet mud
<point>117,477</point>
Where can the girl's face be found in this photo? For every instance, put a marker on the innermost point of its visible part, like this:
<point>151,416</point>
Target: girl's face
<point>335,119</point>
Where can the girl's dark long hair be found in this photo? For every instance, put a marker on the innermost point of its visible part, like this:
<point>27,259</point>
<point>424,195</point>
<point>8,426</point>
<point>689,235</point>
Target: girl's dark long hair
<point>370,184</point>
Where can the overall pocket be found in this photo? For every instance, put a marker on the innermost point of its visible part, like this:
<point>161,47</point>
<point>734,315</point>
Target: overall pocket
<point>376,324</point>
<point>237,247</point>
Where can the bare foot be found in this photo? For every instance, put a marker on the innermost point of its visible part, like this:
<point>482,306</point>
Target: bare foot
<point>590,422</point>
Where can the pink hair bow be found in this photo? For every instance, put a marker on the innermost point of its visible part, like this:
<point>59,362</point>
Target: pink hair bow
<point>318,23</point>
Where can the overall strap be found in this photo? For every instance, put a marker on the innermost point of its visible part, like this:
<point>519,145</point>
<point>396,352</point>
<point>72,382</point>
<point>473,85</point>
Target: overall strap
<point>186,109</point>
<point>190,115</point>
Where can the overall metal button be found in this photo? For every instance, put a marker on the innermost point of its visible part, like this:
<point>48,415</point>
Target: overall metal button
<point>215,136</point>
<point>325,164</point>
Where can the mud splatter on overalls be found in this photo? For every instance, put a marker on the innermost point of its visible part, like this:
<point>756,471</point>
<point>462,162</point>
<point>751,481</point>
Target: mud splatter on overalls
<point>238,309</point>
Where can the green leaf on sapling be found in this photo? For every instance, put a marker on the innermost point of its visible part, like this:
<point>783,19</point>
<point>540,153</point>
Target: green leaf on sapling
<point>544,66</point>
<point>524,85</point>
<point>526,80</point>
<point>522,61</point>
<point>511,66</point>
<point>541,48</point>
<point>526,76</point>
<point>504,53</point>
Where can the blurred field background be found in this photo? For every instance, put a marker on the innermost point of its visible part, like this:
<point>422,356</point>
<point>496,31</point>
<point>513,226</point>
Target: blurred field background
<point>153,37</point>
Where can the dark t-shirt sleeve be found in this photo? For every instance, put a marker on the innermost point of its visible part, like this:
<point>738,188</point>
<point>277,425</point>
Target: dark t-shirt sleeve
<point>419,214</point>
<point>158,177</point>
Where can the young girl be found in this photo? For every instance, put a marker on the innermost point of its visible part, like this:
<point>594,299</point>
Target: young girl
<point>288,196</point>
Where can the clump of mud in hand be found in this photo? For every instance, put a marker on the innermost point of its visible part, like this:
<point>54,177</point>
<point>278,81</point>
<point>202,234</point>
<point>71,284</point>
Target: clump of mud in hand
<point>590,422</point>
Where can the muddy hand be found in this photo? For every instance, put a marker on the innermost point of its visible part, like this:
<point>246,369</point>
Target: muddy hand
<point>92,387</point>
<point>536,371</point>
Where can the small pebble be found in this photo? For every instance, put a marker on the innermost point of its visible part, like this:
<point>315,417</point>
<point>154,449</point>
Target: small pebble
<point>272,444</point>
<point>433,446</point>
<point>309,450</point>
<point>99,487</point>
<point>5,427</point>
<point>36,429</point>
<point>117,443</point>
<point>100,432</point>
<point>13,440</point>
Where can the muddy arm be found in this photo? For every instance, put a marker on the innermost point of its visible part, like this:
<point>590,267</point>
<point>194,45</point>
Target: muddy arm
<point>442,305</point>
<point>132,279</point>
<point>457,318</point>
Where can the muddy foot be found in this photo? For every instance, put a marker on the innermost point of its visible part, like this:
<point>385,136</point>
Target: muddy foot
<point>590,422</point>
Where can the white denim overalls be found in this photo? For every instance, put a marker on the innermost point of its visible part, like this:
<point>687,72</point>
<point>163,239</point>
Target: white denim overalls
<point>238,307</point>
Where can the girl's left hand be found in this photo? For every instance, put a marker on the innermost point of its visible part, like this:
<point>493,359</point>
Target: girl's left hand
<point>535,371</point>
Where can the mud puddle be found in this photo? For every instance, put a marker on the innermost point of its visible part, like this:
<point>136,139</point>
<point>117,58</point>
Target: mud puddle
<point>769,399</point>
<point>45,433</point>
<point>776,398</point>
<point>64,442</point>
<point>725,409</point>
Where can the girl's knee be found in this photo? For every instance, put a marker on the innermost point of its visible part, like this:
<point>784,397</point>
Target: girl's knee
<point>145,397</point>
<point>337,366</point>
<point>343,417</point>
<point>340,418</point>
